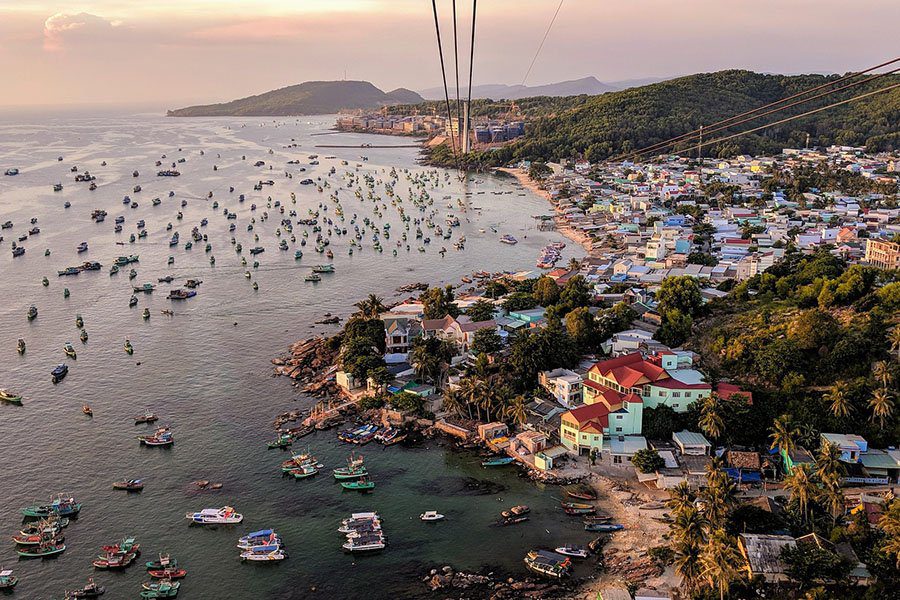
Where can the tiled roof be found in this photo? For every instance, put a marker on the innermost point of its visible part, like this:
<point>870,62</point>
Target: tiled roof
<point>629,369</point>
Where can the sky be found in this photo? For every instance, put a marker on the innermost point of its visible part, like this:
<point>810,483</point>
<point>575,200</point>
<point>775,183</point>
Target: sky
<point>168,53</point>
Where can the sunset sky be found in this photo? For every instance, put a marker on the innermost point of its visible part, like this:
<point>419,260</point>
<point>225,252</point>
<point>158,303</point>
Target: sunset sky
<point>169,52</point>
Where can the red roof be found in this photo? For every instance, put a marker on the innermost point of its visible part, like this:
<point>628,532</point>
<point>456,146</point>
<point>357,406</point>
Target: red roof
<point>598,412</point>
<point>627,370</point>
<point>727,390</point>
<point>673,384</point>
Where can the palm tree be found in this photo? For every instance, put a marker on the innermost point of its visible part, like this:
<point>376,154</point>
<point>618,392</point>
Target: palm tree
<point>802,488</point>
<point>719,560</point>
<point>882,406</point>
<point>832,497</point>
<point>681,497</point>
<point>837,397</point>
<point>711,421</point>
<point>470,390</point>
<point>828,464</point>
<point>451,402</point>
<point>687,565</point>
<point>894,338</point>
<point>516,410</point>
<point>425,362</point>
<point>784,434</point>
<point>371,307</point>
<point>689,526</point>
<point>890,524</point>
<point>882,372</point>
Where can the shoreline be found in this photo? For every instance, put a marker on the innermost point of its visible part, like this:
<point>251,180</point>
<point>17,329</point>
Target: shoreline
<point>562,227</point>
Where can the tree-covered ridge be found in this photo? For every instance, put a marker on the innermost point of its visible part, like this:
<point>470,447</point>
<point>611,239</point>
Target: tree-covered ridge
<point>600,127</point>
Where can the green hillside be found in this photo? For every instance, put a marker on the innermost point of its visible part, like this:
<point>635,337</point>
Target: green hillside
<point>598,127</point>
<point>310,98</point>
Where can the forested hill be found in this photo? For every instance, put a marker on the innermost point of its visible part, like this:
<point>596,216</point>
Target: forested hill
<point>310,98</point>
<point>598,127</point>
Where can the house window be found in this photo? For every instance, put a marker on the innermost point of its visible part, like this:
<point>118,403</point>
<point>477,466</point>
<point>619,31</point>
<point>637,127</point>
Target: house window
<point>584,436</point>
<point>618,417</point>
<point>618,430</point>
<point>676,394</point>
<point>663,393</point>
<point>617,460</point>
<point>687,394</point>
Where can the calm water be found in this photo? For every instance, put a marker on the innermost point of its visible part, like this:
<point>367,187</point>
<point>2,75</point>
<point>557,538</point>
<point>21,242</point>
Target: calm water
<point>206,370</point>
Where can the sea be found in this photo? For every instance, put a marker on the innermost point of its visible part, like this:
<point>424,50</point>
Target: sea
<point>206,369</point>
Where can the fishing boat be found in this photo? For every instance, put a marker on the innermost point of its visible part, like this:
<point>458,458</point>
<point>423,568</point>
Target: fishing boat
<point>91,590</point>
<point>59,373</point>
<point>69,350</point>
<point>45,530</point>
<point>214,516</point>
<point>169,573</point>
<point>282,441</point>
<point>604,527</point>
<point>581,492</point>
<point>129,349</point>
<point>146,314</point>
<point>114,269</point>
<point>7,580</point>
<point>181,294</point>
<point>61,506</point>
<point>131,485</point>
<point>49,548</point>
<point>368,543</point>
<point>66,293</point>
<point>161,589</point>
<point>304,471</point>
<point>354,470</point>
<point>83,336</point>
<point>323,269</point>
<point>431,515</point>
<point>312,277</point>
<point>549,564</point>
<point>12,398</point>
<point>165,561</point>
<point>146,288</point>
<point>147,417</point>
<point>574,550</point>
<point>363,484</point>
<point>161,437</point>
<point>508,239</point>
<point>652,506</point>
<point>32,312</point>
<point>79,322</point>
<point>132,302</point>
<point>50,525</point>
<point>497,461</point>
<point>86,409</point>
<point>82,247</point>
<point>20,346</point>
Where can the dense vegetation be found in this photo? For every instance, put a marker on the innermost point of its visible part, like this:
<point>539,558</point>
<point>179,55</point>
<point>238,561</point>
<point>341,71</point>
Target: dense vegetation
<point>600,127</point>
<point>309,98</point>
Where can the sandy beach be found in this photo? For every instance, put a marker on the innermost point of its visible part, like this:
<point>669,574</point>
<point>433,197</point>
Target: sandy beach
<point>561,224</point>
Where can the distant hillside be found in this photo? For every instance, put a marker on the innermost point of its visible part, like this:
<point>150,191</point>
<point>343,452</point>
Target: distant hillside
<point>310,98</point>
<point>574,87</point>
<point>599,127</point>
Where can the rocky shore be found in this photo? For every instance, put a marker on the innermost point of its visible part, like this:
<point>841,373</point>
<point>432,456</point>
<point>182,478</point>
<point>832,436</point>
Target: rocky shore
<point>447,583</point>
<point>311,364</point>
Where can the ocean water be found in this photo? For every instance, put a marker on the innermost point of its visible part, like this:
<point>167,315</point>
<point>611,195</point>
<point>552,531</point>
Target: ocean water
<point>206,370</point>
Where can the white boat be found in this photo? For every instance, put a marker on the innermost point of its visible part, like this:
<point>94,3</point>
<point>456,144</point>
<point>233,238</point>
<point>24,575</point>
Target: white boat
<point>259,539</point>
<point>212,516</point>
<point>573,550</point>
<point>365,546</point>
<point>431,515</point>
<point>264,554</point>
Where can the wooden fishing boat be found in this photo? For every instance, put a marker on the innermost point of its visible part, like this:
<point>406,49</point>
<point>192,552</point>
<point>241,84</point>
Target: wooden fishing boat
<point>147,417</point>
<point>59,506</point>
<point>161,589</point>
<point>38,538</point>
<point>581,492</point>
<point>7,580</point>
<point>87,410</point>
<point>652,506</point>
<point>282,441</point>
<point>131,485</point>
<point>362,484</point>
<point>304,471</point>
<point>497,461</point>
<point>49,548</point>
<point>165,561</point>
<point>169,573</point>
<point>91,590</point>
<point>7,396</point>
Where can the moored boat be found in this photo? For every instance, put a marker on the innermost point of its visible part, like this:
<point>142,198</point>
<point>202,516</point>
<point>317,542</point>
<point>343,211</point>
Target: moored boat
<point>574,550</point>
<point>363,484</point>
<point>7,580</point>
<point>91,590</point>
<point>49,548</point>
<point>214,516</point>
<point>130,485</point>
<point>604,527</point>
<point>497,461</point>
<point>549,564</point>
<point>12,398</point>
<point>431,515</point>
<point>161,437</point>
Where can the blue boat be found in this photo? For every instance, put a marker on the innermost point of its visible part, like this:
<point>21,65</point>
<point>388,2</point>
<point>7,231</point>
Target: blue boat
<point>603,527</point>
<point>59,373</point>
<point>497,461</point>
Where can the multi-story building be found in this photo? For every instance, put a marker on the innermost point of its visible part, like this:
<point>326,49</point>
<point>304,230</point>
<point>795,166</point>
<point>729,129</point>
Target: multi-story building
<point>883,254</point>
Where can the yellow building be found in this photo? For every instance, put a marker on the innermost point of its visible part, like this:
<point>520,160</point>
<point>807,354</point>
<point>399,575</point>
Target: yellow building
<point>883,254</point>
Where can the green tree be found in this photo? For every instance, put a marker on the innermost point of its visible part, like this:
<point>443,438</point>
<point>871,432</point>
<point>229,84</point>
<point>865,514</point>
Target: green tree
<point>681,293</point>
<point>809,565</point>
<point>720,561</point>
<point>575,293</point>
<point>711,420</point>
<point>515,411</point>
<point>437,303</point>
<point>582,328</point>
<point>486,341</point>
<point>802,489</point>
<point>890,525</point>
<point>538,171</point>
<point>839,403</point>
<point>481,310</point>
<point>408,402</point>
<point>647,460</point>
<point>546,291</point>
<point>784,434</point>
<point>370,308</point>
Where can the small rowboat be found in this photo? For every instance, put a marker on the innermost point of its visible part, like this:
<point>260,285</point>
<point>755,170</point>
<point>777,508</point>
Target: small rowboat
<point>170,573</point>
<point>605,527</point>
<point>652,506</point>
<point>147,417</point>
<point>132,485</point>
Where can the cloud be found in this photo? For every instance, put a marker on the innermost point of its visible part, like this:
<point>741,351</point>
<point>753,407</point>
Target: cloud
<point>62,29</point>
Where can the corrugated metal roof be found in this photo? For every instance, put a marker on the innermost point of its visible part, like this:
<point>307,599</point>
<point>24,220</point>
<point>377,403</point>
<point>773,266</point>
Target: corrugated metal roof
<point>690,438</point>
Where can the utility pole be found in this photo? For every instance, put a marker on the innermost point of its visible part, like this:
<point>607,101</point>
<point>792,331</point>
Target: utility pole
<point>700,145</point>
<point>465,139</point>
<point>807,141</point>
